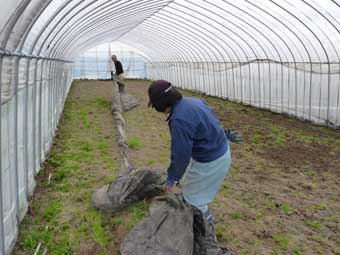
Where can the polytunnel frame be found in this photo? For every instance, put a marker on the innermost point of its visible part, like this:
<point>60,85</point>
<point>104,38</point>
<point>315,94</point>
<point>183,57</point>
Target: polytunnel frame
<point>18,55</point>
<point>53,63</point>
<point>75,33</point>
<point>241,28</point>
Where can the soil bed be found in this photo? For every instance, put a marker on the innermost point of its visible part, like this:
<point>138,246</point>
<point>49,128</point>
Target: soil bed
<point>280,196</point>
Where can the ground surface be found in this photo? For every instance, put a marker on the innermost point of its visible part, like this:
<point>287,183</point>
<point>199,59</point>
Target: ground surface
<point>280,197</point>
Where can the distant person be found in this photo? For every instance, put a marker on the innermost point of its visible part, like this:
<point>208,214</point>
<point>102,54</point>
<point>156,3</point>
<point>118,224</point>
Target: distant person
<point>118,75</point>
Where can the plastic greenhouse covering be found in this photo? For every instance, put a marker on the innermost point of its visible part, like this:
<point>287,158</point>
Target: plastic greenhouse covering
<point>280,55</point>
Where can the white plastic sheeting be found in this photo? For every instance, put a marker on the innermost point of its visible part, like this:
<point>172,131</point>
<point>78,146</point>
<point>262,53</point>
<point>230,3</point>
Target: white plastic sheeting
<point>281,55</point>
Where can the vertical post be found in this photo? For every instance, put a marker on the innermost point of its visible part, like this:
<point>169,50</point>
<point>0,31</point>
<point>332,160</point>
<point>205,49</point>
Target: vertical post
<point>25,129</point>
<point>15,160</point>
<point>40,113</point>
<point>2,232</point>
<point>34,119</point>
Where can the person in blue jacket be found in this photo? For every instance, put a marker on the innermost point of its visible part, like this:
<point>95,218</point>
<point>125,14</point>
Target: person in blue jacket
<point>200,151</point>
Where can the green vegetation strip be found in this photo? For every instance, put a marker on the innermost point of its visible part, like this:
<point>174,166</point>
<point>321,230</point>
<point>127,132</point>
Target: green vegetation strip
<point>83,158</point>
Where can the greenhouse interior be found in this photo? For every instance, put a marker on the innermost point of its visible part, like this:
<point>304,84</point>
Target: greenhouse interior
<point>76,136</point>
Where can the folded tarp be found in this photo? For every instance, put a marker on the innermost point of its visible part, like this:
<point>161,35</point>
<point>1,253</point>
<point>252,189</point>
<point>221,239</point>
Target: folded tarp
<point>125,190</point>
<point>173,228</point>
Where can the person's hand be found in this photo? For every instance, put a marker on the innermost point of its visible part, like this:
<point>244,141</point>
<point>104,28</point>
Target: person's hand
<point>233,136</point>
<point>169,185</point>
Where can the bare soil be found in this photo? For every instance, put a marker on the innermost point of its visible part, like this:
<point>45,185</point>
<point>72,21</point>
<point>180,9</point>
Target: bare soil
<point>281,193</point>
<point>280,196</point>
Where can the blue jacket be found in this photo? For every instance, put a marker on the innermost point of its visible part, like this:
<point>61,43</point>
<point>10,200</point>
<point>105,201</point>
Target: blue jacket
<point>195,133</point>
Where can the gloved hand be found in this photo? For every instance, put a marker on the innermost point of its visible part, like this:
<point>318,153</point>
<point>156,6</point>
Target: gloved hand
<point>233,136</point>
<point>169,185</point>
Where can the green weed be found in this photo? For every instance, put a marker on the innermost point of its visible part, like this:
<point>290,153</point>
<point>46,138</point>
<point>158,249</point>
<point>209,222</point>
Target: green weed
<point>136,213</point>
<point>256,138</point>
<point>236,215</point>
<point>282,241</point>
<point>135,143</point>
<point>296,251</point>
<point>102,102</point>
<point>221,233</point>
<point>102,146</point>
<point>287,209</point>
<point>150,162</point>
<point>52,210</point>
<point>314,225</point>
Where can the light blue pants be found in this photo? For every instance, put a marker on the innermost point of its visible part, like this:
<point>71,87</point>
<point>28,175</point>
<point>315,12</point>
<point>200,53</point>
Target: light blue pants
<point>202,181</point>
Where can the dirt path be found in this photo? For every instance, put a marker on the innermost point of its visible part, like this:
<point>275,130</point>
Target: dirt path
<point>281,194</point>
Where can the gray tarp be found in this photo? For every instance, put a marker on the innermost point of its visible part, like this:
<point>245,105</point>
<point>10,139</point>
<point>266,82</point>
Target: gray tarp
<point>125,190</point>
<point>173,228</point>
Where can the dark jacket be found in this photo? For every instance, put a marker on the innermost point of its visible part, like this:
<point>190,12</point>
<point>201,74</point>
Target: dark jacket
<point>119,67</point>
<point>195,133</point>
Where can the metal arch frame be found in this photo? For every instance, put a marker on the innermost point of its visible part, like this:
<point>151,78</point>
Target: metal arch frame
<point>66,49</point>
<point>155,33</point>
<point>207,34</point>
<point>210,35</point>
<point>88,14</point>
<point>326,54</point>
<point>322,46</point>
<point>230,47</point>
<point>338,97</point>
<point>248,34</point>
<point>194,35</point>
<point>331,43</point>
<point>48,23</point>
<point>270,42</point>
<point>299,39</point>
<point>105,18</point>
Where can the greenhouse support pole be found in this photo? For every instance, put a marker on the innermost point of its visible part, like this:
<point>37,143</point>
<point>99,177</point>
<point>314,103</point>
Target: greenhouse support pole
<point>16,104</point>
<point>34,107</point>
<point>40,114</point>
<point>25,129</point>
<point>2,233</point>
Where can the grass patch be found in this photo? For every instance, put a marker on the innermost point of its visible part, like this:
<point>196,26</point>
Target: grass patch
<point>74,166</point>
<point>314,225</point>
<point>150,162</point>
<point>236,215</point>
<point>102,102</point>
<point>102,146</point>
<point>282,241</point>
<point>221,233</point>
<point>287,209</point>
<point>135,143</point>
<point>136,213</point>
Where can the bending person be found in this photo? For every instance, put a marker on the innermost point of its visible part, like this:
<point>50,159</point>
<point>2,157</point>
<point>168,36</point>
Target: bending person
<point>199,146</point>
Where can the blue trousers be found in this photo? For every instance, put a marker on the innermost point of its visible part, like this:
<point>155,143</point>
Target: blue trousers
<point>202,181</point>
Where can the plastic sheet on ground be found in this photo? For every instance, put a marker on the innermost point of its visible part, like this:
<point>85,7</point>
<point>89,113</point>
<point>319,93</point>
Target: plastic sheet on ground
<point>125,190</point>
<point>173,228</point>
<point>128,101</point>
